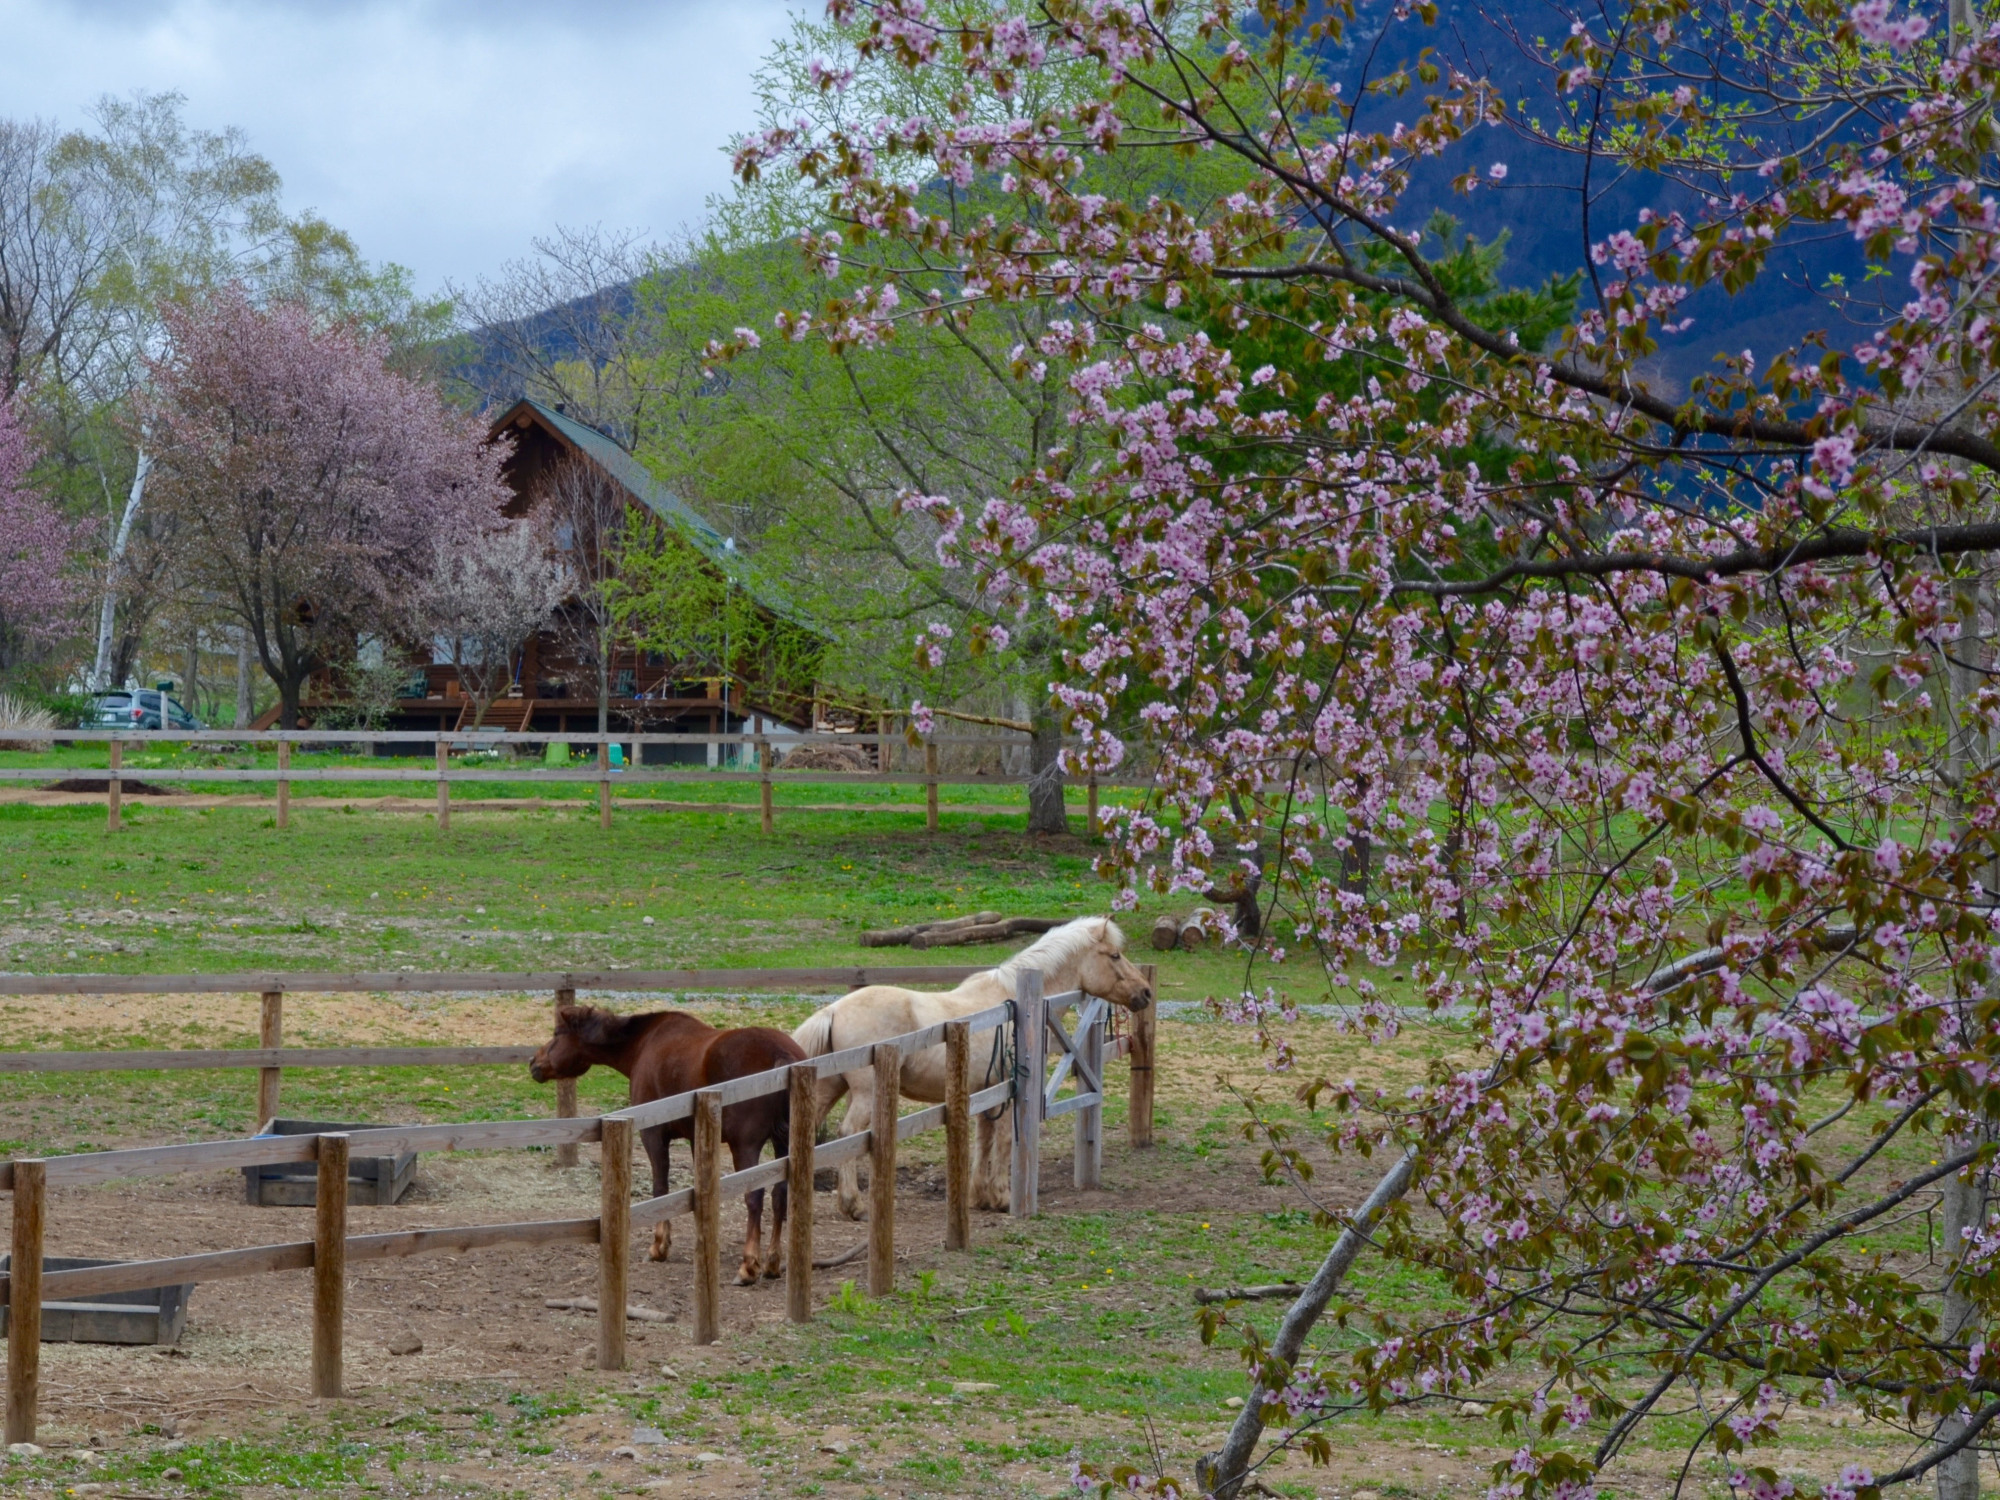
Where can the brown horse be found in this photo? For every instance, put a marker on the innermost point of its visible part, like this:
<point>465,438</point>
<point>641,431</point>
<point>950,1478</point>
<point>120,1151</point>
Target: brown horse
<point>668,1052</point>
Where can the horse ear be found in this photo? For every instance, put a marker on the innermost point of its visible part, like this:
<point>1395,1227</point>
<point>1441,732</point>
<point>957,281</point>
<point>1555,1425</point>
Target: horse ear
<point>570,1017</point>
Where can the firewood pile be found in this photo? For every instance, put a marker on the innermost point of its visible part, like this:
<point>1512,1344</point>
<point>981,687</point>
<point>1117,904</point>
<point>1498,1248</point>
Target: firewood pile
<point>1194,930</point>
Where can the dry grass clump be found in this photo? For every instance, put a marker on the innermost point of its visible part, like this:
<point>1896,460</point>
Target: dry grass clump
<point>16,714</point>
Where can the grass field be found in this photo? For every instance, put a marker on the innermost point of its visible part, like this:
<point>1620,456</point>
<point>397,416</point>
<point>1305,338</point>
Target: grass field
<point>1069,1336</point>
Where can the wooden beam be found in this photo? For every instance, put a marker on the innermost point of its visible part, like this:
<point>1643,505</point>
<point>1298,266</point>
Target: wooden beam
<point>329,1266</point>
<point>800,1136</point>
<point>24,1301</point>
<point>443,785</point>
<point>459,1238</point>
<point>614,1241</point>
<point>267,1059</point>
<point>957,1136</point>
<point>114,789</point>
<point>764,782</point>
<point>565,1090</point>
<point>399,982</point>
<point>284,784</point>
<point>270,1037</point>
<point>1031,1040</point>
<point>228,1265</point>
<point>707,1216</point>
<point>882,1171</point>
<point>604,785</point>
<point>1145,1033</point>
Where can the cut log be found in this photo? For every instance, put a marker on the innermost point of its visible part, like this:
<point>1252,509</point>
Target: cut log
<point>1268,1292</point>
<point>1167,933</point>
<point>963,937</point>
<point>896,937</point>
<point>1198,929</point>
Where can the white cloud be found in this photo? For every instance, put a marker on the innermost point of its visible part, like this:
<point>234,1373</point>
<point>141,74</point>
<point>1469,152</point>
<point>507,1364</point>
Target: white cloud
<point>440,133</point>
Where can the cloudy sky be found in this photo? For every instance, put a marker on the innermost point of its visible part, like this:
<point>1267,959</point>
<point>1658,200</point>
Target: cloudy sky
<point>441,133</point>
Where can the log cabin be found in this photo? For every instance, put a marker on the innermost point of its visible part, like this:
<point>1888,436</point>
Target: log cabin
<point>556,684</point>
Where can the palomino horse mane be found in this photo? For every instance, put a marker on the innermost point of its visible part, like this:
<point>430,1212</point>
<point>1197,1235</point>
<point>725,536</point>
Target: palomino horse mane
<point>1060,946</point>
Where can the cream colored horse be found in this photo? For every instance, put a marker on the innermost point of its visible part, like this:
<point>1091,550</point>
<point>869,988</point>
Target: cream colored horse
<point>1087,954</point>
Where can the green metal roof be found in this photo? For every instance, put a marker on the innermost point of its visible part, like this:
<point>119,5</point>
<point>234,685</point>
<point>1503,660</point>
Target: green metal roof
<point>669,507</point>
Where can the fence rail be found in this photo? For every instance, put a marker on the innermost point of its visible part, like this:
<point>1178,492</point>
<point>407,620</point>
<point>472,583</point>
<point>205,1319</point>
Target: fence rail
<point>1030,1015</point>
<point>441,774</point>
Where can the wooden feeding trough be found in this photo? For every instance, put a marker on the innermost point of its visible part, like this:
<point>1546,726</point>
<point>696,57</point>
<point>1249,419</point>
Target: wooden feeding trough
<point>153,1316</point>
<point>370,1179</point>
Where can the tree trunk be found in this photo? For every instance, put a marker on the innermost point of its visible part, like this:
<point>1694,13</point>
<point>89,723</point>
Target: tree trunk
<point>191,689</point>
<point>1358,858</point>
<point>107,608</point>
<point>290,690</point>
<point>1964,1209</point>
<point>245,703</point>
<point>603,685</point>
<point>1046,812</point>
<point>1223,1473</point>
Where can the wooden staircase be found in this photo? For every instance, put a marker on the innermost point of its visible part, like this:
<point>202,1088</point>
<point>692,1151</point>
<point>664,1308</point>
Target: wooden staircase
<point>509,715</point>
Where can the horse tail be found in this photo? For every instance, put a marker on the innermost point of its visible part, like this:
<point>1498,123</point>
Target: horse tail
<point>815,1035</point>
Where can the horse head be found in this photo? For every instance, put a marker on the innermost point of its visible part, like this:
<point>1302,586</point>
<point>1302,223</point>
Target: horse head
<point>567,1053</point>
<point>1103,969</point>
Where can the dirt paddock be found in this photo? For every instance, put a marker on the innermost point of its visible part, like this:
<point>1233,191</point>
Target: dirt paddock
<point>479,1314</point>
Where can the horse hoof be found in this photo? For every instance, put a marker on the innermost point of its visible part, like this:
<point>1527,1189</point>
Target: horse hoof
<point>747,1276</point>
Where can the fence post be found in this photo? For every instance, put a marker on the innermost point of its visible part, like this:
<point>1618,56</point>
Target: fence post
<point>284,784</point>
<point>882,1170</point>
<point>764,785</point>
<point>604,785</point>
<point>957,1135</point>
<point>24,1300</point>
<point>114,789</point>
<point>1088,1167</point>
<point>444,787</point>
<point>930,787</point>
<point>329,1264</point>
<point>1139,1114</point>
<point>707,1215</point>
<point>565,1094</point>
<point>804,1127</point>
<point>270,1033</point>
<point>1031,1046</point>
<point>614,1241</point>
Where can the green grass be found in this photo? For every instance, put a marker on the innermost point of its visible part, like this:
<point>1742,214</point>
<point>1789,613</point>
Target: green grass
<point>739,787</point>
<point>182,890</point>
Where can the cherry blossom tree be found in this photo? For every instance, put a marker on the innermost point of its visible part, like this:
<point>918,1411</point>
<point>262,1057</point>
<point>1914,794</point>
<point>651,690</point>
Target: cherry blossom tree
<point>39,584</point>
<point>310,485</point>
<point>1656,710</point>
<point>485,598</point>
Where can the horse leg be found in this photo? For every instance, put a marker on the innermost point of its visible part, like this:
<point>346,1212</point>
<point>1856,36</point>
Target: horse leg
<point>774,1258</point>
<point>860,1113</point>
<point>992,1185</point>
<point>826,1095</point>
<point>654,1139</point>
<point>745,1157</point>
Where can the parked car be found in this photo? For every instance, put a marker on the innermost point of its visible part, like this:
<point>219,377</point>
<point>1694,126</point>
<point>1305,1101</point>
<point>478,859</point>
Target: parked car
<point>136,708</point>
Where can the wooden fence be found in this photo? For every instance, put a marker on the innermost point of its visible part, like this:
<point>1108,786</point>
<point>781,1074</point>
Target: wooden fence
<point>444,776</point>
<point>1032,1017</point>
